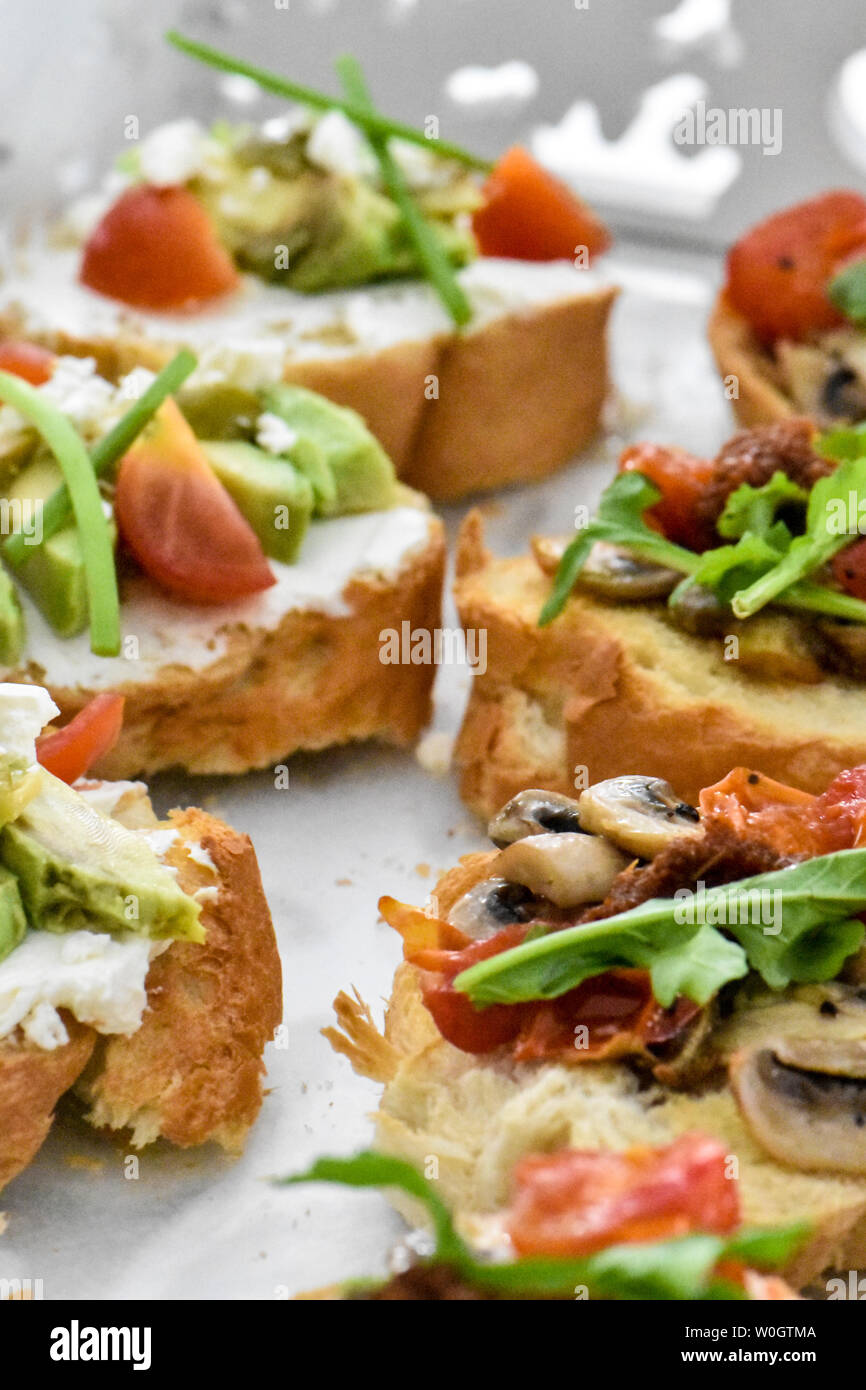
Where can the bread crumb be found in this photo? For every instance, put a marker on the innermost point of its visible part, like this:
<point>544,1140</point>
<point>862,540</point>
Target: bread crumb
<point>434,751</point>
<point>422,870</point>
<point>4,1222</point>
<point>85,1164</point>
<point>342,883</point>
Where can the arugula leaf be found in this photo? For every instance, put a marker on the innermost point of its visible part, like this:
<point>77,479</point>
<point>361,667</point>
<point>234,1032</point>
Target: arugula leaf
<point>372,1169</point>
<point>829,498</point>
<point>727,569</point>
<point>677,1269</point>
<point>846,443</point>
<point>754,508</point>
<point>619,519</point>
<point>847,291</point>
<point>803,932</point>
<point>682,957</point>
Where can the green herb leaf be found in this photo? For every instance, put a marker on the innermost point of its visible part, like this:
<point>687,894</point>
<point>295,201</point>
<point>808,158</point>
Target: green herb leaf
<point>430,251</point>
<point>371,1169</point>
<point>620,520</point>
<point>754,508</point>
<point>847,291</point>
<point>793,924</point>
<point>57,508</point>
<point>730,568</point>
<point>370,121</point>
<point>846,443</point>
<point>690,960</point>
<point>97,552</point>
<point>827,531</point>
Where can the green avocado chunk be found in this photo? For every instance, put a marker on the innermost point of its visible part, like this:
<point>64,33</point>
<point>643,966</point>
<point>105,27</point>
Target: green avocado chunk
<point>13,920</point>
<point>11,622</point>
<point>53,572</point>
<point>362,472</point>
<point>78,870</point>
<point>219,410</point>
<point>274,497</point>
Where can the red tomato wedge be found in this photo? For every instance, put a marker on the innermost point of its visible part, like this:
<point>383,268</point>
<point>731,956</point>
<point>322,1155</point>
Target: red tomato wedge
<point>180,523</point>
<point>682,479</point>
<point>779,271</point>
<point>70,752</point>
<point>156,248</point>
<point>529,215</point>
<point>31,363</point>
<point>793,822</point>
<point>574,1202</point>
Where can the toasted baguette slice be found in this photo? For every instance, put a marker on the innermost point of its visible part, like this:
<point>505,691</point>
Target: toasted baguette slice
<point>756,396</point>
<point>193,1070</point>
<point>478,1115</point>
<point>608,688</point>
<point>509,400</point>
<point>225,690</point>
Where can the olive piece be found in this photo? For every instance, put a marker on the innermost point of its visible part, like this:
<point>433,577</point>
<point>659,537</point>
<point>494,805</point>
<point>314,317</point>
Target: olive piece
<point>532,812</point>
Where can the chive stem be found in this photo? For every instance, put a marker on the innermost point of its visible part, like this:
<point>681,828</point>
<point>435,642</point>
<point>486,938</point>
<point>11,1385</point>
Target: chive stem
<point>57,508</point>
<point>432,255</point>
<point>97,551</point>
<point>369,120</point>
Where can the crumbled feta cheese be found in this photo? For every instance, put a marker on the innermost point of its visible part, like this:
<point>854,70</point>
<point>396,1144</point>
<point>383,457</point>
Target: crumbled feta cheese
<point>24,712</point>
<point>281,129</point>
<point>99,978</point>
<point>339,147</point>
<point>77,389</point>
<point>246,363</point>
<point>274,435</point>
<point>173,153</point>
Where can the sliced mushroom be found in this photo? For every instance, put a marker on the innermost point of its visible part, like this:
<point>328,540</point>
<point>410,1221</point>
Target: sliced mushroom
<point>548,551</point>
<point>532,812</point>
<point>811,1117</point>
<point>568,869</point>
<point>490,905</point>
<point>615,573</point>
<point>697,610</point>
<point>641,814</point>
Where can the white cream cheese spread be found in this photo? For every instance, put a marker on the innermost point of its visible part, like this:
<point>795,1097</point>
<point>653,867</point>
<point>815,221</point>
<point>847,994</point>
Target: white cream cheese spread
<point>249,336</point>
<point>160,632</point>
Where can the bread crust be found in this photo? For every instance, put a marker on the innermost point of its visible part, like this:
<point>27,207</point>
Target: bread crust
<point>740,355</point>
<point>517,397</point>
<point>313,681</point>
<point>478,1115</point>
<point>31,1083</point>
<point>605,691</point>
<point>193,1070</point>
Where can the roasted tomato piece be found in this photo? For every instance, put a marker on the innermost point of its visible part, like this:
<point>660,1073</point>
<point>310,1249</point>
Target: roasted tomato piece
<point>849,568</point>
<point>32,363</point>
<point>682,480</point>
<point>70,752</point>
<point>573,1202</point>
<point>779,271</point>
<point>529,215</point>
<point>156,248</point>
<point>180,523</point>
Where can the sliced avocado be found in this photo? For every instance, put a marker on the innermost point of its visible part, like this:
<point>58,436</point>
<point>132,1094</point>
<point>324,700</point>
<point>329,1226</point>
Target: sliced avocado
<point>53,572</point>
<point>77,870</point>
<point>362,471</point>
<point>274,497</point>
<point>309,459</point>
<point>13,920</point>
<point>220,411</point>
<point>11,622</point>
